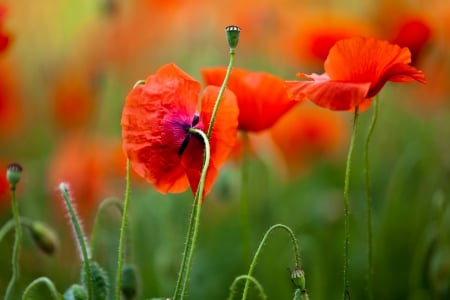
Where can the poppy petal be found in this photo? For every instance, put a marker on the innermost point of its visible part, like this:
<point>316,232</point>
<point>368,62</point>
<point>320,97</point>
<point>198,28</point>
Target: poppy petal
<point>261,97</point>
<point>371,60</point>
<point>331,94</point>
<point>154,122</point>
<point>222,140</point>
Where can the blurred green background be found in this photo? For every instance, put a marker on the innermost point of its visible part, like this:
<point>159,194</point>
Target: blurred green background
<point>63,80</point>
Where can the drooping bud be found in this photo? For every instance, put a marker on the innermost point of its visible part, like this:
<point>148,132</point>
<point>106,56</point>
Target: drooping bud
<point>13,174</point>
<point>75,292</point>
<point>129,282</point>
<point>44,237</point>
<point>232,33</point>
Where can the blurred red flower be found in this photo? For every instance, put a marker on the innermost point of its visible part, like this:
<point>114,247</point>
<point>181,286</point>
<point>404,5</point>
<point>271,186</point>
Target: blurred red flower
<point>261,97</point>
<point>155,122</point>
<point>81,161</point>
<point>10,107</point>
<point>316,34</point>
<point>4,185</point>
<point>356,69</point>
<point>74,97</point>
<point>305,134</point>
<point>5,38</point>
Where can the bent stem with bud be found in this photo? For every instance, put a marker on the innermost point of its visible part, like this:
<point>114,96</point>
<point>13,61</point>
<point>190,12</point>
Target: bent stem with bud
<point>258,251</point>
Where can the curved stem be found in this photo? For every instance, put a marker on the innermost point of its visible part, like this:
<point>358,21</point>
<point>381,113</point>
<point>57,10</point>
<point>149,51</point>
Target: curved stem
<point>16,248</point>
<point>10,225</point>
<point>199,201</point>
<point>122,233</point>
<point>261,244</point>
<point>221,91</point>
<point>103,206</point>
<point>347,205</point>
<point>258,286</point>
<point>369,202</point>
<point>41,280</point>
<point>80,238</point>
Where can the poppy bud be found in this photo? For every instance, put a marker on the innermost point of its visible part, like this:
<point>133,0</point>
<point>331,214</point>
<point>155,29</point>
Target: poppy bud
<point>100,280</point>
<point>129,282</point>
<point>44,237</point>
<point>298,278</point>
<point>13,173</point>
<point>232,33</point>
<point>75,292</point>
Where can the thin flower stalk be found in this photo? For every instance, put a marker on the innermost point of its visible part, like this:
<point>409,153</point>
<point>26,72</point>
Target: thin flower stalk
<point>347,206</point>
<point>256,283</point>
<point>369,202</point>
<point>39,281</point>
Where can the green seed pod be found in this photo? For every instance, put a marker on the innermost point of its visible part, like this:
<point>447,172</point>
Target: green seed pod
<point>13,174</point>
<point>129,282</point>
<point>44,237</point>
<point>232,33</point>
<point>100,281</point>
<point>298,278</point>
<point>76,292</point>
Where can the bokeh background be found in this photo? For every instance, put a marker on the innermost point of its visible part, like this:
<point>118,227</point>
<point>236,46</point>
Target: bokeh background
<point>67,66</point>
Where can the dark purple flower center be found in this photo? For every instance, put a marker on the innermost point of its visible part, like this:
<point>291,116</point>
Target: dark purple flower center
<point>185,142</point>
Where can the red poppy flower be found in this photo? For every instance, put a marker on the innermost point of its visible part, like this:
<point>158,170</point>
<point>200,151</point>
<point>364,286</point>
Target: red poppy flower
<point>356,69</point>
<point>261,97</point>
<point>155,123</point>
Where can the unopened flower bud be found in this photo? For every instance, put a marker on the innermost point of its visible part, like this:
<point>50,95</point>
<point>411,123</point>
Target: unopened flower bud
<point>44,237</point>
<point>232,33</point>
<point>129,282</point>
<point>99,279</point>
<point>13,174</point>
<point>76,292</point>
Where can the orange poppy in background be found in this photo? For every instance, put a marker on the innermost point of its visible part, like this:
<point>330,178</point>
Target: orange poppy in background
<point>4,185</point>
<point>306,134</point>
<point>81,161</point>
<point>156,120</point>
<point>316,34</point>
<point>5,38</point>
<point>356,69</point>
<point>74,97</point>
<point>261,97</point>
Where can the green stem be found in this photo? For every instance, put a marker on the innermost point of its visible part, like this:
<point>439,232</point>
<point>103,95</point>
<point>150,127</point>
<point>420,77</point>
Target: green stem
<point>42,280</point>
<point>369,202</point>
<point>347,205</point>
<point>243,203</point>
<point>103,206</point>
<point>80,238</point>
<point>261,244</point>
<point>221,91</point>
<point>186,249</point>
<point>258,286</point>
<point>16,248</point>
<point>199,201</point>
<point>122,233</point>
